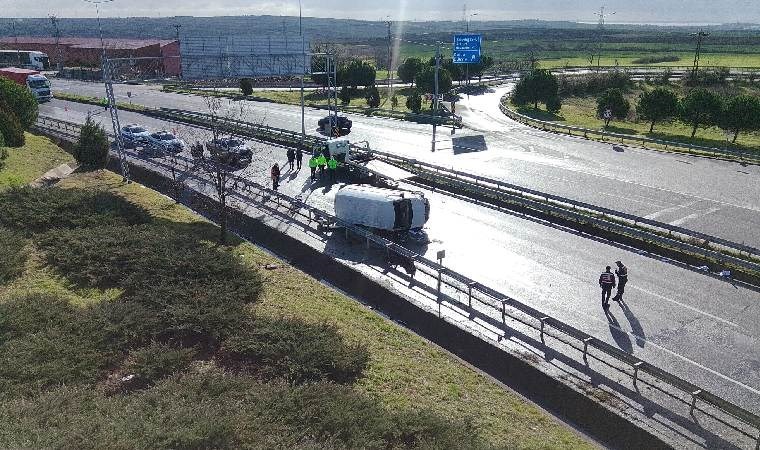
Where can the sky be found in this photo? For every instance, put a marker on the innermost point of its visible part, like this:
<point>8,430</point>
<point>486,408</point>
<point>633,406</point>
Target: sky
<point>626,11</point>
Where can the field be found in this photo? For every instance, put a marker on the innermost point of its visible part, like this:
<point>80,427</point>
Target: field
<point>28,163</point>
<point>122,324</point>
<point>581,111</point>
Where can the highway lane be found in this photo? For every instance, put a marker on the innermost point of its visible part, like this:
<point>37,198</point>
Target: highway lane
<point>715,197</point>
<point>701,328</point>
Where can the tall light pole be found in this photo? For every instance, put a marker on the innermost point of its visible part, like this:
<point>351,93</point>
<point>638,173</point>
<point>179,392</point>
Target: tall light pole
<point>700,36</point>
<point>303,75</point>
<point>389,23</point>
<point>467,29</point>
<point>602,20</point>
<point>57,36</point>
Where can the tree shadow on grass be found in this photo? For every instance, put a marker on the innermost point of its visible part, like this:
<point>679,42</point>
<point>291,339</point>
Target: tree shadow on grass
<point>540,114</point>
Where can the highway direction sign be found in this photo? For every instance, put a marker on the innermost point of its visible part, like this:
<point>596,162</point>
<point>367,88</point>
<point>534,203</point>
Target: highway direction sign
<point>467,48</point>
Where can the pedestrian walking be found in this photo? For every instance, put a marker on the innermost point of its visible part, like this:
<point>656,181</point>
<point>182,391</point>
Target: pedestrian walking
<point>622,276</point>
<point>291,157</point>
<point>606,282</point>
<point>313,167</point>
<point>332,167</point>
<point>321,162</point>
<point>299,158</point>
<point>275,173</point>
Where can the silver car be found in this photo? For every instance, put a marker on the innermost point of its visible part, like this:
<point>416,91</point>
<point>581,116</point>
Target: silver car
<point>164,141</point>
<point>133,135</point>
<point>230,151</point>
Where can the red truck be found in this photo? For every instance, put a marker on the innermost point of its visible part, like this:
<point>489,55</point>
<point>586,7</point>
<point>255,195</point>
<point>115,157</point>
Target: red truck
<point>37,83</point>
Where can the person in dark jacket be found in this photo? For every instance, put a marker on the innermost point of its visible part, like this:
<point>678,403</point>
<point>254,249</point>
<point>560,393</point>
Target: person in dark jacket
<point>622,276</point>
<point>275,173</point>
<point>606,282</point>
<point>299,158</point>
<point>291,157</point>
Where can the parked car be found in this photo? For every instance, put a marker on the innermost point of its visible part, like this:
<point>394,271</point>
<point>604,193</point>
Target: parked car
<point>165,142</point>
<point>134,135</point>
<point>230,151</point>
<point>341,123</point>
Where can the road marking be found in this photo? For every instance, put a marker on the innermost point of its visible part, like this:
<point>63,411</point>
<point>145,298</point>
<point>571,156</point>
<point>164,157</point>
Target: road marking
<point>671,209</point>
<point>694,216</point>
<point>698,311</point>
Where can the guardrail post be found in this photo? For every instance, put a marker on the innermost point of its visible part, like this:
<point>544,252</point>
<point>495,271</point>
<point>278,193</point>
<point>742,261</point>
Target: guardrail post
<point>636,367</point>
<point>543,324</point>
<point>694,401</point>
<point>585,346</point>
<point>470,285</point>
<point>504,312</point>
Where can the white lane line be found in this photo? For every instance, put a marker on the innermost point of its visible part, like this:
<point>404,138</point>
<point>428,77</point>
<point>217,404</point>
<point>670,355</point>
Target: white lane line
<point>691,308</point>
<point>683,220</point>
<point>671,209</point>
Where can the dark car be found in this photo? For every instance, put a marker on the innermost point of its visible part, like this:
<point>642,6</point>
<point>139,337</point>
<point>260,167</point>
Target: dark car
<point>230,151</point>
<point>340,123</point>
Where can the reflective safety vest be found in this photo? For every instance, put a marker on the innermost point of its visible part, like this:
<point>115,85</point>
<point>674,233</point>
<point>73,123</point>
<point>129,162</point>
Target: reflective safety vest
<point>321,160</point>
<point>313,163</point>
<point>332,164</point>
<point>607,279</point>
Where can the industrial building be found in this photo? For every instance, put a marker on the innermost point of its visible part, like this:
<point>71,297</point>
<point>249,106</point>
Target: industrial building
<point>86,52</point>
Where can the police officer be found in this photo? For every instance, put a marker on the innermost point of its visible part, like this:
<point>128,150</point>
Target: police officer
<point>332,166</point>
<point>299,158</point>
<point>606,282</point>
<point>622,275</point>
<point>321,162</point>
<point>291,157</point>
<point>313,167</point>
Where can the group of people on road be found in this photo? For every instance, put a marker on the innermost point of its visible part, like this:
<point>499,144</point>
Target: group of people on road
<point>321,161</point>
<point>295,159</point>
<point>607,282</point>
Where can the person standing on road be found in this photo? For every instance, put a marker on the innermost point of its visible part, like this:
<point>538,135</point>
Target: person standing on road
<point>313,167</point>
<point>291,157</point>
<point>622,276</point>
<point>606,282</point>
<point>321,162</point>
<point>275,173</point>
<point>332,166</point>
<point>299,158</point>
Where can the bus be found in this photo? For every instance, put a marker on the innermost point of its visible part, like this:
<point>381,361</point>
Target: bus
<point>24,59</point>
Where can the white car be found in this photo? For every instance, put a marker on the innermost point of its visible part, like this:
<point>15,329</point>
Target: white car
<point>134,135</point>
<point>165,142</point>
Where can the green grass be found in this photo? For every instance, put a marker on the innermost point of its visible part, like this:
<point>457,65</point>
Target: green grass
<point>27,163</point>
<point>625,59</point>
<point>209,407</point>
<point>581,111</point>
<point>357,99</point>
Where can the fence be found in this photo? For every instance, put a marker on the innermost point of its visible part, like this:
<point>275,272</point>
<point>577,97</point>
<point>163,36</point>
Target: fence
<point>498,304</point>
<point>748,156</point>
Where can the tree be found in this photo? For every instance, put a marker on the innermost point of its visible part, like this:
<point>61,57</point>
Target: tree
<point>394,102</point>
<point>91,150</point>
<point>10,128</point>
<point>372,95</point>
<point>477,70</point>
<point>701,108</point>
<point>426,80</point>
<point>344,95</point>
<point>657,105</point>
<point>538,86</point>
<point>357,73</point>
<point>612,100</point>
<point>246,86</point>
<point>20,101</point>
<point>414,102</point>
<point>741,113</point>
<point>409,70</point>
<point>554,104</point>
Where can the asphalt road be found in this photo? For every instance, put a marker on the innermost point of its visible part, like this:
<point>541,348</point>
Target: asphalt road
<point>696,326</point>
<point>715,197</point>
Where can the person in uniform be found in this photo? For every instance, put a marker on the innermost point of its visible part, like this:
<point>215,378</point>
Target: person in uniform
<point>313,167</point>
<point>332,167</point>
<point>291,157</point>
<point>606,282</point>
<point>622,276</point>
<point>299,158</point>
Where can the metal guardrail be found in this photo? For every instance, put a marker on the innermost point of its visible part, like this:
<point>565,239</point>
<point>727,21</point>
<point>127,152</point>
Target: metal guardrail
<point>743,155</point>
<point>540,200</point>
<point>500,304</point>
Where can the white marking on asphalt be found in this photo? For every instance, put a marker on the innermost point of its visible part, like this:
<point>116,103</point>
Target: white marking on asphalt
<point>691,308</point>
<point>671,209</point>
<point>683,220</point>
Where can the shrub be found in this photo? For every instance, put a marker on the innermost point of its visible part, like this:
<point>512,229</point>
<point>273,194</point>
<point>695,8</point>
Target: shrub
<point>345,95</point>
<point>372,95</point>
<point>655,59</point>
<point>10,128</point>
<point>20,101</point>
<point>614,101</point>
<point>246,86</point>
<point>91,150</point>
<point>29,210</point>
<point>13,255</point>
<point>123,325</point>
<point>414,102</point>
<point>554,104</point>
<point>593,83</point>
<point>275,348</point>
<point>157,361</point>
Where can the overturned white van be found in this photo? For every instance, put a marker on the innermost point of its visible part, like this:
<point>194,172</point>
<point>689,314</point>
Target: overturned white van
<point>382,209</point>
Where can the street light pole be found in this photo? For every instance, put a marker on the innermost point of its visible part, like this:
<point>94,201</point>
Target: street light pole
<point>388,82</point>
<point>435,99</point>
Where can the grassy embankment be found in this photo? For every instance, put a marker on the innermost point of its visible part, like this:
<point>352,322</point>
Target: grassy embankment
<point>581,111</point>
<point>30,162</point>
<point>123,325</point>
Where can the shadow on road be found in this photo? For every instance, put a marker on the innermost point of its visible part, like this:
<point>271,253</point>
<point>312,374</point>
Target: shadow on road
<point>621,337</point>
<point>469,144</point>
<point>636,327</point>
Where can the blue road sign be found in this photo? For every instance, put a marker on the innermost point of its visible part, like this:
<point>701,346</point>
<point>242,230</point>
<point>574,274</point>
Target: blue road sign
<point>467,48</point>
